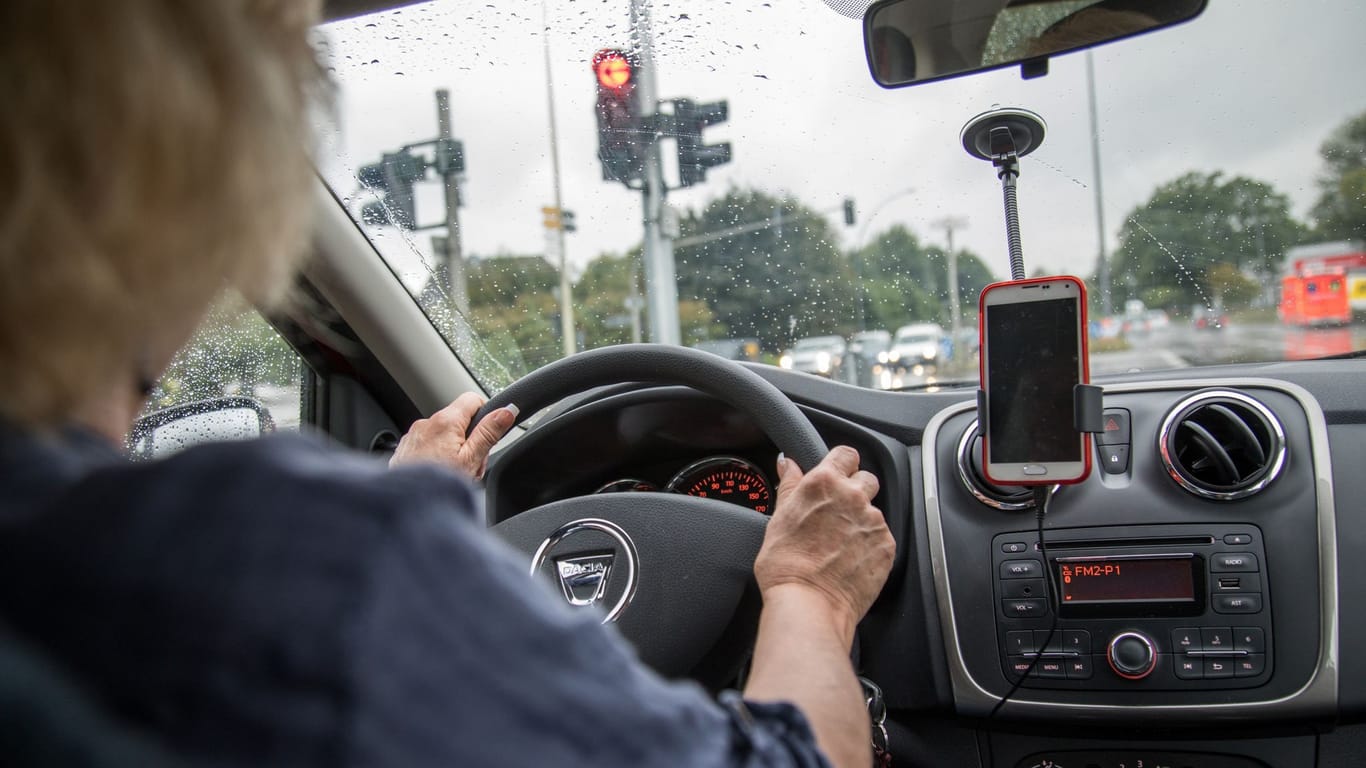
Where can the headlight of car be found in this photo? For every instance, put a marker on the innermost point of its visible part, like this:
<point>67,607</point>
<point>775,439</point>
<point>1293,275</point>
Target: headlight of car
<point>785,361</point>
<point>823,362</point>
<point>930,354</point>
<point>882,356</point>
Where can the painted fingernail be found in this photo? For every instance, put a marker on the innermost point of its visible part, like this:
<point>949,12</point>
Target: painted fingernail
<point>513,409</point>
<point>782,463</point>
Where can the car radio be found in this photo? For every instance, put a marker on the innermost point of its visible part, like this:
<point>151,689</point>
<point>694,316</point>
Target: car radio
<point>1172,607</point>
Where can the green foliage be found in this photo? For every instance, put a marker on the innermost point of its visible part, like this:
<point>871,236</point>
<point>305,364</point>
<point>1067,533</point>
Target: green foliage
<point>1159,296</point>
<point>234,352</point>
<point>600,299</point>
<point>1230,288</point>
<point>775,284</point>
<point>1197,221</point>
<point>514,310</point>
<point>1340,212</point>
<point>905,282</point>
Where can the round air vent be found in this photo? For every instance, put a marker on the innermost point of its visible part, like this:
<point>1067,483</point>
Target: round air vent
<point>1010,498</point>
<point>1222,445</point>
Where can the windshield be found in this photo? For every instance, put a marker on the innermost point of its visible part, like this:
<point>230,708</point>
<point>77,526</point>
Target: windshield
<point>1217,216</point>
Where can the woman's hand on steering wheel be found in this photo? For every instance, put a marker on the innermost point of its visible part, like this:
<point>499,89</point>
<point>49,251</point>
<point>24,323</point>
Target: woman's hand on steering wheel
<point>827,536</point>
<point>442,438</point>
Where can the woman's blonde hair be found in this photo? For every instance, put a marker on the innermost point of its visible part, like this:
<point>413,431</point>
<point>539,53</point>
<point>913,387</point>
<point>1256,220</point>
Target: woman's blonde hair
<point>152,154</point>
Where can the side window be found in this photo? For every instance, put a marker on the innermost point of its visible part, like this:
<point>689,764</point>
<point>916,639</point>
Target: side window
<point>235,353</point>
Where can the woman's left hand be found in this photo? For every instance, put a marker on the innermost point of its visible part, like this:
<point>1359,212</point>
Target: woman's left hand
<point>441,438</point>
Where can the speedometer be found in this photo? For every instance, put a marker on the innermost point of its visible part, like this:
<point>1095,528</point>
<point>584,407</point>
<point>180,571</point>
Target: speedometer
<point>727,478</point>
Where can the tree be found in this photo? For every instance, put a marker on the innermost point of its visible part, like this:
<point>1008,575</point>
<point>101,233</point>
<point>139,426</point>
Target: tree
<point>1340,212</point>
<point>514,310</point>
<point>1230,288</point>
<point>1169,243</point>
<point>903,281</point>
<point>777,282</point>
<point>604,317</point>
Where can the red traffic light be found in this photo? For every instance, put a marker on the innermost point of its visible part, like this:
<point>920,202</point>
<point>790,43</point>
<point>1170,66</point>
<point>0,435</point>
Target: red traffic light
<point>613,69</point>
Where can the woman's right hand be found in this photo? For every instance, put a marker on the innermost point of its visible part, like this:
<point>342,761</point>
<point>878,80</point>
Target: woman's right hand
<point>826,535</point>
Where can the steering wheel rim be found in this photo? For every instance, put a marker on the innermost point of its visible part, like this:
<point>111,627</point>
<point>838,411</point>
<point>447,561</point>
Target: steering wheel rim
<point>696,608</point>
<point>747,391</point>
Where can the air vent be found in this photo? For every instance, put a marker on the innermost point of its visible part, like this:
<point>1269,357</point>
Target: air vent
<point>1222,445</point>
<point>1010,498</point>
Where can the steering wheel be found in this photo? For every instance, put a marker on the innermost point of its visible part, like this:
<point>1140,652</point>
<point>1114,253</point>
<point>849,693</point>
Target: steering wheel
<point>674,572</point>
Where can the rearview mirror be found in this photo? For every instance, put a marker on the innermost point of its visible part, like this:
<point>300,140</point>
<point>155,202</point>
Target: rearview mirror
<point>171,430</point>
<point>917,41</point>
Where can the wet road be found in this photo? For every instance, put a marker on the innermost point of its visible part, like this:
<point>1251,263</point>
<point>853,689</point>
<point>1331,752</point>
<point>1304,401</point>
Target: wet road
<point>1179,345</point>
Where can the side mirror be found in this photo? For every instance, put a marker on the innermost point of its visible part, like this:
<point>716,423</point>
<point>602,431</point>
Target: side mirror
<point>174,429</point>
<point>918,41</point>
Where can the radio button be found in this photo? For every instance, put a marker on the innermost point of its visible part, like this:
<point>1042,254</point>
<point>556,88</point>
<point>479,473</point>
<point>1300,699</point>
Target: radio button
<point>1250,603</point>
<point>1132,655</point>
<point>1233,562</point>
<point>1014,547</point>
<point>1076,641</point>
<point>1186,639</point>
<point>1041,637</point>
<point>1218,668</point>
<point>1216,639</point>
<point>1189,668</point>
<point>1116,432</point>
<point>1022,588</point>
<point>1238,539</point>
<point>1078,668</point>
<point>1021,569</point>
<point>1114,459</point>
<point>1024,609</point>
<point>1250,665</point>
<point>1018,666</point>
<point>1052,668</point>
<point>1019,642</point>
<point>1249,639</point>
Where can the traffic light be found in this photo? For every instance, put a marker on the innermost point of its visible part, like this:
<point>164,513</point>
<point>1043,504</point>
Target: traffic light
<point>619,123</point>
<point>393,177</point>
<point>848,211</point>
<point>567,221</point>
<point>695,157</point>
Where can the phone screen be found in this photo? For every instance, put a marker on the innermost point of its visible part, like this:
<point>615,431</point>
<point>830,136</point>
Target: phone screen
<point>1033,366</point>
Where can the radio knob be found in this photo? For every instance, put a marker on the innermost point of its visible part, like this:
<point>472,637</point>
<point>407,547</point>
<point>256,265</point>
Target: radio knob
<point>1131,655</point>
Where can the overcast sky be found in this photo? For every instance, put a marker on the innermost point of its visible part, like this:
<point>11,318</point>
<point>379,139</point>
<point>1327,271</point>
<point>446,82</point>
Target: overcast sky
<point>1252,87</point>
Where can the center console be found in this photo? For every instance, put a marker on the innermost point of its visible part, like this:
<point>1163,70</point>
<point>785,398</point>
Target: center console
<point>1139,608</point>
<point>1161,592</point>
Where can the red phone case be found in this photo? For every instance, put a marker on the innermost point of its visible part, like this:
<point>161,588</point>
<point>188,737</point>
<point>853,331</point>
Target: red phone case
<point>982,372</point>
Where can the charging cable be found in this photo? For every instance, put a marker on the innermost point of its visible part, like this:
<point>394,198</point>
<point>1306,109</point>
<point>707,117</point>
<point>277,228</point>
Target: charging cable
<point>1042,495</point>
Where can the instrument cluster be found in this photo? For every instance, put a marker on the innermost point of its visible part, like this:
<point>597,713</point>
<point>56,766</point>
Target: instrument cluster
<point>728,478</point>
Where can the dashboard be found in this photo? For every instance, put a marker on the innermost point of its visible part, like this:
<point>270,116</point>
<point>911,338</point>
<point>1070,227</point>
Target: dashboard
<point>1190,602</point>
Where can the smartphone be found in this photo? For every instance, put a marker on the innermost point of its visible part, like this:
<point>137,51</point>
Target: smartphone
<point>1033,354</point>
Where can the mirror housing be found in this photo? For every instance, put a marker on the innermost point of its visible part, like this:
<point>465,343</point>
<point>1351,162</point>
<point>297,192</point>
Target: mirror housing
<point>174,429</point>
<point>919,41</point>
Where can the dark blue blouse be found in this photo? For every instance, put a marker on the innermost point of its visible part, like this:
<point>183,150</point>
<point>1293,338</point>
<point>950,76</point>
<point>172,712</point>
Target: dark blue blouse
<point>282,602</point>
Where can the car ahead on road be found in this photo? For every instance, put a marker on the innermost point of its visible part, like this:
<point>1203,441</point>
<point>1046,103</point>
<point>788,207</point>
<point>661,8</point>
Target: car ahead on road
<point>731,349</point>
<point>917,348</point>
<point>866,361</point>
<point>1207,318</point>
<point>821,355</point>
<point>1213,553</point>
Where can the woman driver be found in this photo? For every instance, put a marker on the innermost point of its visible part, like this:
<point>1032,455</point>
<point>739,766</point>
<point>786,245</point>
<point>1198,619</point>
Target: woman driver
<point>275,601</point>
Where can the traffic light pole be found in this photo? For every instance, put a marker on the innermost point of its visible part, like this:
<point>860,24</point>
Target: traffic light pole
<point>567,334</point>
<point>660,275</point>
<point>453,255</point>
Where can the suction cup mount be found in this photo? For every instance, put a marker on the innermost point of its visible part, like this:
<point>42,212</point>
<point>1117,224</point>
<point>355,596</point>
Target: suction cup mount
<point>1002,136</point>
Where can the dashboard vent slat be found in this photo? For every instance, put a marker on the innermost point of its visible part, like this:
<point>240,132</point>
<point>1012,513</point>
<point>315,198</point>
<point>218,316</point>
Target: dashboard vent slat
<point>1222,445</point>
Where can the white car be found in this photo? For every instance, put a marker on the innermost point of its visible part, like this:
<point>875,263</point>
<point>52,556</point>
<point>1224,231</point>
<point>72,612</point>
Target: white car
<point>821,355</point>
<point>918,345</point>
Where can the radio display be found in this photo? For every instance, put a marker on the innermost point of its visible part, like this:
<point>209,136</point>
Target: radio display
<point>1115,580</point>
